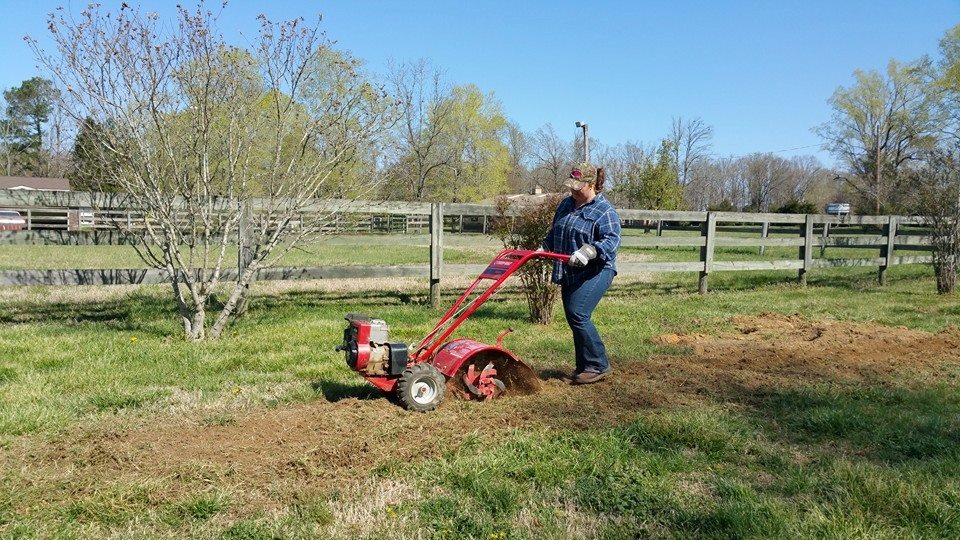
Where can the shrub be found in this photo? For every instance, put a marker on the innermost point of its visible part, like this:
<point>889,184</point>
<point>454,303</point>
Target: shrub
<point>939,182</point>
<point>526,229</point>
<point>798,206</point>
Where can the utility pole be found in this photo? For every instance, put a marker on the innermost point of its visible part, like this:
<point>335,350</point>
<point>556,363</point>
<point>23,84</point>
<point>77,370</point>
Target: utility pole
<point>586,141</point>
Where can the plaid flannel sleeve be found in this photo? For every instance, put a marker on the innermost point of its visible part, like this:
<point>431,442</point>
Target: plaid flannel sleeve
<point>608,233</point>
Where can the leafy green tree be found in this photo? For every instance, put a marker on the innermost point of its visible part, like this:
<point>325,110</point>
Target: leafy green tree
<point>948,82</point>
<point>94,165</point>
<point>475,141</point>
<point>452,144</point>
<point>880,124</point>
<point>28,110</point>
<point>653,184</point>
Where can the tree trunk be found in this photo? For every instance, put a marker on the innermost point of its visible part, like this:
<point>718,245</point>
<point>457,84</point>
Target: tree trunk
<point>541,294</point>
<point>199,324</point>
<point>946,273</point>
<point>237,297</point>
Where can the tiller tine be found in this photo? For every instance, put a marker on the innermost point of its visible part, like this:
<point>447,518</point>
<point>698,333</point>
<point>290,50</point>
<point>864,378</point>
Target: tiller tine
<point>483,385</point>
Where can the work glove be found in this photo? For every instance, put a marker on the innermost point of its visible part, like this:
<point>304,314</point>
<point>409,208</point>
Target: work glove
<point>582,256</point>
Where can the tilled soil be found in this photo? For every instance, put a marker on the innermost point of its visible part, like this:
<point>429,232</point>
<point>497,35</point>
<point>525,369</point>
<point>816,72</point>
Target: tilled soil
<point>325,443</point>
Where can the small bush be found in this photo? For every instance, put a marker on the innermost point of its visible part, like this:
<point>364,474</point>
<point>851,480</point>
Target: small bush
<point>526,230</point>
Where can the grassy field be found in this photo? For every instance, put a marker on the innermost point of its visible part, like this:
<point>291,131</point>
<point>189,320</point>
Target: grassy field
<point>475,250</point>
<point>96,383</point>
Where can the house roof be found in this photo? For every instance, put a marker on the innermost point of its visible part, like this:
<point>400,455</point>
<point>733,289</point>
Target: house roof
<point>38,183</point>
<point>520,199</point>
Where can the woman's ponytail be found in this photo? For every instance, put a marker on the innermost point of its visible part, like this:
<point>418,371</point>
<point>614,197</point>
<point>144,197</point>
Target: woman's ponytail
<point>598,185</point>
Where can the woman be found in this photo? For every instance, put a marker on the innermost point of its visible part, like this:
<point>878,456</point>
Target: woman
<point>588,228</point>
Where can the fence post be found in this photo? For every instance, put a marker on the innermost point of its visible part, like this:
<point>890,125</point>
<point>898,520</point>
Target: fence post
<point>886,252</point>
<point>824,237</point>
<point>806,252</point>
<point>764,233</point>
<point>436,252</point>
<point>29,220</point>
<point>709,231</point>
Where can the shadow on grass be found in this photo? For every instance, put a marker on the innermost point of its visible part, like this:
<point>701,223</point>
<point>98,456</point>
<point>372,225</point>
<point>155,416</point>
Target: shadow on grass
<point>126,314</point>
<point>554,374</point>
<point>883,424</point>
<point>323,299</point>
<point>334,391</point>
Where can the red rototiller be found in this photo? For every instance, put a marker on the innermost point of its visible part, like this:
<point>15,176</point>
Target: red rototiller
<point>420,373</point>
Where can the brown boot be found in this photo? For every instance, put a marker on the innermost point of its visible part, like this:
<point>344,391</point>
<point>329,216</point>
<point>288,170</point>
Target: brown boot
<point>589,377</point>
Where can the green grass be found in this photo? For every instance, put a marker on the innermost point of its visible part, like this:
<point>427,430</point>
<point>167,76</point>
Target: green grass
<point>815,460</point>
<point>706,473</point>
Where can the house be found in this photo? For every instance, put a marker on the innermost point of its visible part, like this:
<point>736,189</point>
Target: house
<point>517,200</point>
<point>34,183</point>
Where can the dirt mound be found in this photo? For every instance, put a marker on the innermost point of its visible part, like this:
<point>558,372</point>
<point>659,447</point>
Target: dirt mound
<point>322,443</point>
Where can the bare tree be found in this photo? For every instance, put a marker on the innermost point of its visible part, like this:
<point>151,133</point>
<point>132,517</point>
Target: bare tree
<point>200,136</point>
<point>8,130</point>
<point>939,182</point>
<point>56,146</point>
<point>518,179</point>
<point>706,188</point>
<point>691,141</point>
<point>551,158</point>
<point>426,105</point>
<point>765,175</point>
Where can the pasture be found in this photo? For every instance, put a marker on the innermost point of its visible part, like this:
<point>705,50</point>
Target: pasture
<point>762,409</point>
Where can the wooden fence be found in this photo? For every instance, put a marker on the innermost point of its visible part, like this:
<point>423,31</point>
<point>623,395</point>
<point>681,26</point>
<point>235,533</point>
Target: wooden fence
<point>68,218</point>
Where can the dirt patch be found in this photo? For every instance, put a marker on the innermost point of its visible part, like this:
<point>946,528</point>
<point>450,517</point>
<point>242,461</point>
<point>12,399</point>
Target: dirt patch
<point>322,444</point>
<point>778,350</point>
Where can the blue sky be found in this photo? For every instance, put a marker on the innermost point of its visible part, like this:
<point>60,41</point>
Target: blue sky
<point>760,72</point>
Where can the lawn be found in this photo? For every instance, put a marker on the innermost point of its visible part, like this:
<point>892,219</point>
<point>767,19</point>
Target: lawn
<point>343,250</point>
<point>112,426</point>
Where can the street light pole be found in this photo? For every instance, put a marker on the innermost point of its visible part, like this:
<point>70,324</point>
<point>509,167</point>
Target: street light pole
<point>586,141</point>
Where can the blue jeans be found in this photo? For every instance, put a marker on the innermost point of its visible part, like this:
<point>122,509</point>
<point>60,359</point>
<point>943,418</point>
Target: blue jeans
<point>579,301</point>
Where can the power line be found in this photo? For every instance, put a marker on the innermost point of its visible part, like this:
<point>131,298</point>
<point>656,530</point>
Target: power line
<point>795,148</point>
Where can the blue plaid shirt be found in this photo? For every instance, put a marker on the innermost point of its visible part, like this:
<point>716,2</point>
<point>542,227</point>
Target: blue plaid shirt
<point>595,223</point>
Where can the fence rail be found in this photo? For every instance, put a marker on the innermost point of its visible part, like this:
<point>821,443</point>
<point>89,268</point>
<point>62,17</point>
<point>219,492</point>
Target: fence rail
<point>71,218</point>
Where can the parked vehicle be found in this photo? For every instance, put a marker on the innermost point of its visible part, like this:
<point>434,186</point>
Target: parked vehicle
<point>86,217</point>
<point>11,220</point>
<point>837,209</point>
